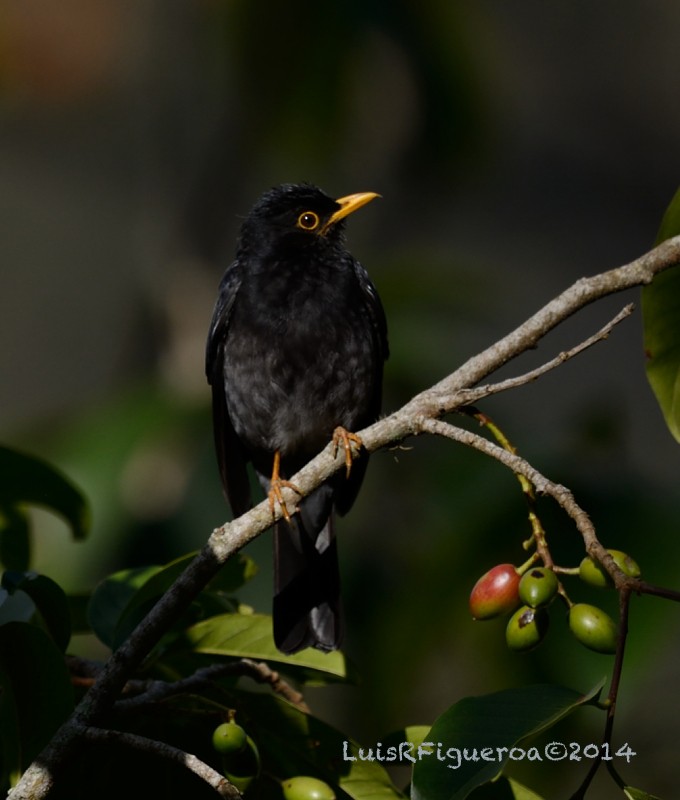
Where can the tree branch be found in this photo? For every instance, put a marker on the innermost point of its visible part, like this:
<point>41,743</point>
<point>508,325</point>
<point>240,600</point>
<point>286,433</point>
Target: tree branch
<point>154,691</point>
<point>479,392</point>
<point>206,773</point>
<point>228,539</point>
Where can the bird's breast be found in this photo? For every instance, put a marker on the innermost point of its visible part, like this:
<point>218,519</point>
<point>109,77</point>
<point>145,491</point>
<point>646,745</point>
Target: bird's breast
<point>296,365</point>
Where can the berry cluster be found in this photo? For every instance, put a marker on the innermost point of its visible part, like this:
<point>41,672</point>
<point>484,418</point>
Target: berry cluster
<point>241,765</point>
<point>529,591</point>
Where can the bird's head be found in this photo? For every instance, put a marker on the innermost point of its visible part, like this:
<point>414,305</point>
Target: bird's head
<point>299,215</point>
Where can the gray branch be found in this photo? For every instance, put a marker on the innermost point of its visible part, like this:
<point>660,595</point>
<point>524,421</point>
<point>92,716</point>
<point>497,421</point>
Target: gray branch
<point>410,420</point>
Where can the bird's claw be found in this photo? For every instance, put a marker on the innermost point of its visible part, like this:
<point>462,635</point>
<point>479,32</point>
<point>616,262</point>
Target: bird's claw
<point>276,496</point>
<point>276,484</point>
<point>347,439</point>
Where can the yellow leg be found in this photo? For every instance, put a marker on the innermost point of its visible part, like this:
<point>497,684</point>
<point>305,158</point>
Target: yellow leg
<point>275,485</point>
<point>347,439</point>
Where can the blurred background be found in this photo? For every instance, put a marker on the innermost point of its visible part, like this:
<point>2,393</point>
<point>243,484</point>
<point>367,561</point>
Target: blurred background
<point>517,147</point>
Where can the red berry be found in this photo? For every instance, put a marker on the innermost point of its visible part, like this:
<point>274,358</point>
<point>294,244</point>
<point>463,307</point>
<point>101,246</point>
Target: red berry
<point>495,593</point>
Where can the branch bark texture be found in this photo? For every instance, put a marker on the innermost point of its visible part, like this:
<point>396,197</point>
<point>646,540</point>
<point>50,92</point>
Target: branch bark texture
<point>459,388</point>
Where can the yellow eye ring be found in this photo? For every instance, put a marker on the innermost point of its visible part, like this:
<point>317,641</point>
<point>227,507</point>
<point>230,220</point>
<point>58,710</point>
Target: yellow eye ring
<point>308,221</point>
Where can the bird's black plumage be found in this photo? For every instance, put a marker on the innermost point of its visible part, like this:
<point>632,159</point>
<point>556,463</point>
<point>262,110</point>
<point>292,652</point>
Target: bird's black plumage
<point>296,348</point>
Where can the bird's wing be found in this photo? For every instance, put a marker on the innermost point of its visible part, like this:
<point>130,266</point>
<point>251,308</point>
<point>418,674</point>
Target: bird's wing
<point>347,490</point>
<point>375,310</point>
<point>231,457</point>
<point>219,324</point>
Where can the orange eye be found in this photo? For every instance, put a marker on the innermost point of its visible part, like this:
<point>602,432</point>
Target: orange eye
<point>308,221</point>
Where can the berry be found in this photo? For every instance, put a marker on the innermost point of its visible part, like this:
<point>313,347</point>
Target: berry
<point>538,587</point>
<point>591,572</point>
<point>526,628</point>
<point>593,628</point>
<point>242,767</point>
<point>303,787</point>
<point>229,738</point>
<point>495,593</point>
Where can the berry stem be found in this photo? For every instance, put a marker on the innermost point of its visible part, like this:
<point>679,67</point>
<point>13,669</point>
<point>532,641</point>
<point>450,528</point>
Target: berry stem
<point>537,537</point>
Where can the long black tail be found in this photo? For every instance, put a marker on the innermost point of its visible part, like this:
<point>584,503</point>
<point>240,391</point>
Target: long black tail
<point>307,608</point>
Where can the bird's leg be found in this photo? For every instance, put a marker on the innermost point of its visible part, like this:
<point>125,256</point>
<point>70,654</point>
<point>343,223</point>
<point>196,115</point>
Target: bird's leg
<point>347,439</point>
<point>275,485</point>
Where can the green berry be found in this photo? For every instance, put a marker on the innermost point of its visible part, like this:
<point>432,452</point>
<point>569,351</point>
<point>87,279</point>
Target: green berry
<point>591,572</point>
<point>242,767</point>
<point>495,593</point>
<point>526,628</point>
<point>538,586</point>
<point>229,738</point>
<point>593,628</point>
<point>303,787</point>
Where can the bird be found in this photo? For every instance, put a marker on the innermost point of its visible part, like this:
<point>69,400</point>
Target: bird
<point>294,357</point>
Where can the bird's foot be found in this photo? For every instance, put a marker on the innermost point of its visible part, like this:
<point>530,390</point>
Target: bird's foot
<point>276,496</point>
<point>276,484</point>
<point>347,439</point>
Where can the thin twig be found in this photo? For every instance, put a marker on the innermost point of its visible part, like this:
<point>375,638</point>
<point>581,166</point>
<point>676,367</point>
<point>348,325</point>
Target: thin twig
<point>520,466</point>
<point>263,673</point>
<point>228,539</point>
<point>154,691</point>
<point>470,396</point>
<point>205,772</point>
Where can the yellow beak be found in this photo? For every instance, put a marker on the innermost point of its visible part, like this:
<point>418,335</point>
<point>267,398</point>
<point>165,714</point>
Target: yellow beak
<point>349,205</point>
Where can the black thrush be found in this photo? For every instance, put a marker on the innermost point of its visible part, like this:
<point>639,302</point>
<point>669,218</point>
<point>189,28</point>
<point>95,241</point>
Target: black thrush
<point>295,356</point>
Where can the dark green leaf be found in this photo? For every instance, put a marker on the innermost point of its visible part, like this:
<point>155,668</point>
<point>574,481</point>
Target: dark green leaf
<point>295,743</point>
<point>15,540</point>
<point>504,789</point>
<point>661,318</point>
<point>415,734</point>
<point>234,574</point>
<point>36,691</point>
<point>78,606</point>
<point>50,602</point>
<point>111,597</point>
<point>638,794</point>
<point>26,479</point>
<point>496,722</point>
<point>250,636</point>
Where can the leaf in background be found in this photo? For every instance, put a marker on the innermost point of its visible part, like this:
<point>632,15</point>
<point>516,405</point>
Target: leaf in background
<point>36,692</point>
<point>292,742</point>
<point>250,636</point>
<point>638,794</point>
<point>498,720</point>
<point>15,540</point>
<point>233,575</point>
<point>661,320</point>
<point>504,789</point>
<point>50,602</point>
<point>111,597</point>
<point>415,734</point>
<point>26,479</point>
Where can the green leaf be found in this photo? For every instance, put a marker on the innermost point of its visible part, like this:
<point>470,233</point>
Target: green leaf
<point>122,600</point>
<point>250,636</point>
<point>661,320</point>
<point>26,479</point>
<point>411,734</point>
<point>295,743</point>
<point>521,792</point>
<point>493,723</point>
<point>36,693</point>
<point>15,540</point>
<point>78,606</point>
<point>638,794</point>
<point>111,597</point>
<point>233,575</point>
<point>504,789</point>
<point>50,602</point>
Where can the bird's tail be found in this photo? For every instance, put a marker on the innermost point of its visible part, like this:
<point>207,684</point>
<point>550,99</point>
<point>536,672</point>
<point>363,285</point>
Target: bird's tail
<point>307,609</point>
